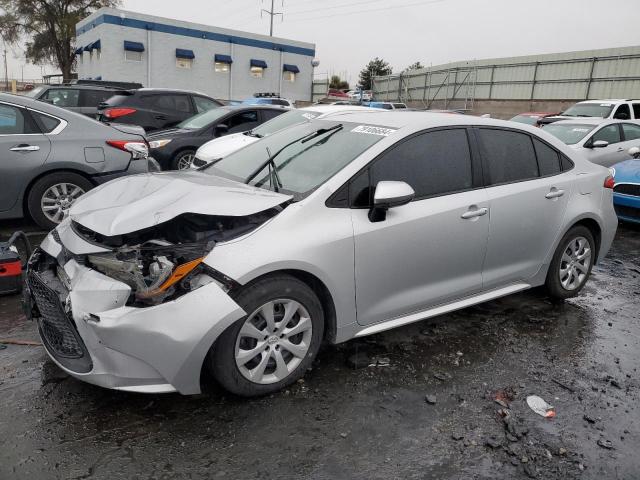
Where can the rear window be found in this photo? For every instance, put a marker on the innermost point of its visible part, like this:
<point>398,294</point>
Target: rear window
<point>526,119</point>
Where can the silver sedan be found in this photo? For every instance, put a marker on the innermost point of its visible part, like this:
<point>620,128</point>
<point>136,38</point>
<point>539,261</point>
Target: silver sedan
<point>328,230</point>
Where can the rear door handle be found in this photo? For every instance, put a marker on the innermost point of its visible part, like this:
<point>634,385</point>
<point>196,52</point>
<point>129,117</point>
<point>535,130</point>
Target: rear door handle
<point>161,117</point>
<point>25,148</point>
<point>554,193</point>
<point>473,213</point>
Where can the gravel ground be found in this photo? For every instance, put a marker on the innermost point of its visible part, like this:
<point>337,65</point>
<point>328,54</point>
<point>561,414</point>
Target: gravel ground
<point>422,403</point>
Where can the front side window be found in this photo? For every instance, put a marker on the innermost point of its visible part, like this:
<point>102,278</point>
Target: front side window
<point>631,131</point>
<point>316,151</point>
<point>221,67</point>
<point>203,119</point>
<point>63,97</point>
<point>609,134</point>
<point>242,121</point>
<point>432,163</point>
<point>257,72</point>
<point>548,159</point>
<point>509,155</point>
<point>623,112</point>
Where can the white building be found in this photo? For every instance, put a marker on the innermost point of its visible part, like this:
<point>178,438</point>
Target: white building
<point>159,52</point>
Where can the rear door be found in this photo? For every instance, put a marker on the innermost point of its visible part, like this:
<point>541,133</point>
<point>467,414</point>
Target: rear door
<point>528,196</point>
<point>90,99</point>
<point>429,251</point>
<point>23,148</point>
<point>167,109</point>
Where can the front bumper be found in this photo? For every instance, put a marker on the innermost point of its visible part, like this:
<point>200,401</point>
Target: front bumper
<point>90,332</point>
<point>627,207</point>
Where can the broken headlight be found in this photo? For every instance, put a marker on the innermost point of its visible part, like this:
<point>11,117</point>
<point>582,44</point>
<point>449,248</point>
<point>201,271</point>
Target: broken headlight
<point>156,271</point>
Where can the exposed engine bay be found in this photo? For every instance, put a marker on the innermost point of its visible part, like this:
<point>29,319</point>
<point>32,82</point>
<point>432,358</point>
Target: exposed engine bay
<point>165,261</point>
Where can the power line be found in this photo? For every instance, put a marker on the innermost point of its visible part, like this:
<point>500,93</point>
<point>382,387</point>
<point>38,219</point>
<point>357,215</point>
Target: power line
<point>364,12</point>
<point>346,5</point>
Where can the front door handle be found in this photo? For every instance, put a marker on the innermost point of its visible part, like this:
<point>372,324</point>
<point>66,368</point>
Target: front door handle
<point>620,149</point>
<point>475,212</point>
<point>161,117</point>
<point>554,193</point>
<point>23,147</point>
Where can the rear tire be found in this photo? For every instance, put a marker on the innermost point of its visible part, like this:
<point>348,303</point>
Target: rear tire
<point>53,195</point>
<point>256,356</point>
<point>183,160</point>
<point>572,262</point>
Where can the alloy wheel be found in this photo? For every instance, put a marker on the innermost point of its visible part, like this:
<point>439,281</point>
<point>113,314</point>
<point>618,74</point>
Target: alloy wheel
<point>185,161</point>
<point>575,263</point>
<point>273,341</point>
<point>58,199</point>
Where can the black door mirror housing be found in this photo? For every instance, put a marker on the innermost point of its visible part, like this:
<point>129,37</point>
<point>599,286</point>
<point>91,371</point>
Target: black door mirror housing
<point>221,129</point>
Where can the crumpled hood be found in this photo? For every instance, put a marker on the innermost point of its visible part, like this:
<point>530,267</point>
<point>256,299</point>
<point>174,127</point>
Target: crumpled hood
<point>627,171</point>
<point>223,146</point>
<point>136,202</point>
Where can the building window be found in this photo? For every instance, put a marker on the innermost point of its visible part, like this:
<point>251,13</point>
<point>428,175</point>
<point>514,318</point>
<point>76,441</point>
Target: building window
<point>184,63</point>
<point>289,77</point>
<point>257,72</point>
<point>131,56</point>
<point>221,67</point>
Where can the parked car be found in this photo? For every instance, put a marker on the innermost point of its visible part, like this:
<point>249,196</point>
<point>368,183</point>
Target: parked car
<point>154,108</point>
<point>357,95</point>
<point>626,190</point>
<point>608,109</point>
<point>221,147</point>
<point>531,118</point>
<point>174,149</point>
<point>327,230</point>
<point>50,156</point>
<point>269,100</point>
<point>78,98</point>
<point>387,105</point>
<point>604,142</point>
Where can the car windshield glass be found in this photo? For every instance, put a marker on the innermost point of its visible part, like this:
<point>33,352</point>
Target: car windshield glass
<point>34,93</point>
<point>602,110</point>
<point>283,121</point>
<point>311,158</point>
<point>203,119</point>
<point>525,119</point>
<point>569,133</point>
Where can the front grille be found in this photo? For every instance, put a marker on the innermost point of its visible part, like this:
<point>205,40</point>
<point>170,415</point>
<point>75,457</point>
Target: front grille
<point>624,211</point>
<point>627,189</point>
<point>56,327</point>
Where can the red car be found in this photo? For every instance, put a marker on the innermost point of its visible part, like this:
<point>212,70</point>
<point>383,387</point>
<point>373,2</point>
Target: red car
<point>531,118</point>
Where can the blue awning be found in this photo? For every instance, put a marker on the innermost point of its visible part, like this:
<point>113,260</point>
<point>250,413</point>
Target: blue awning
<point>99,77</point>
<point>258,63</point>
<point>95,45</point>
<point>88,47</point>
<point>182,53</point>
<point>133,46</point>
<point>290,68</point>
<point>79,51</point>
<point>222,58</point>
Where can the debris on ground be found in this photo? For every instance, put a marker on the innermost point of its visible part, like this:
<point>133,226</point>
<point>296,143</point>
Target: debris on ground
<point>605,444</point>
<point>380,362</point>
<point>359,360</point>
<point>430,399</point>
<point>493,442</point>
<point>442,376</point>
<point>539,406</point>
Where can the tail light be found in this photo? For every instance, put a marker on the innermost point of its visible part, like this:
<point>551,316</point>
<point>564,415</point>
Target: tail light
<point>610,181</point>
<point>138,150</point>
<point>112,113</point>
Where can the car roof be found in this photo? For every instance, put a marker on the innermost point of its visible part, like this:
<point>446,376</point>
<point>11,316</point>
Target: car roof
<point>83,86</point>
<point>255,107</point>
<point>169,90</point>
<point>535,114</point>
<point>334,108</point>
<point>594,121</point>
<point>608,100</point>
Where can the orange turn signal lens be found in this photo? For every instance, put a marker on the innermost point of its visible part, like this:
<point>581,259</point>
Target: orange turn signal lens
<point>178,274</point>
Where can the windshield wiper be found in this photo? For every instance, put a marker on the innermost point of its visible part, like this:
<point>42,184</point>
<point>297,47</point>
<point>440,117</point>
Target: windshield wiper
<point>271,160</point>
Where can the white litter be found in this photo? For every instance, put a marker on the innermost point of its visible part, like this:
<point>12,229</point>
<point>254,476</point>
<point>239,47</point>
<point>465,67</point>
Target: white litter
<point>541,407</point>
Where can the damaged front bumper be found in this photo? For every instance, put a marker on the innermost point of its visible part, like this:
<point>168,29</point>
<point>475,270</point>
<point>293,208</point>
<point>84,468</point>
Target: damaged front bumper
<point>90,332</point>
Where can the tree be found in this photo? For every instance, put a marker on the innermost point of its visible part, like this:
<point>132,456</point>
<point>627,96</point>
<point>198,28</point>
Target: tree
<point>414,66</point>
<point>337,83</point>
<point>47,28</point>
<point>376,67</point>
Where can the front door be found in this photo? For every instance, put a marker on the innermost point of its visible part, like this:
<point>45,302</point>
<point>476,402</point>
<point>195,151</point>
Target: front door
<point>430,251</point>
<point>22,149</point>
<point>612,153</point>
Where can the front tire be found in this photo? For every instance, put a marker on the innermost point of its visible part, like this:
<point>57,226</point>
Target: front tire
<point>275,343</point>
<point>53,195</point>
<point>572,262</point>
<point>183,160</point>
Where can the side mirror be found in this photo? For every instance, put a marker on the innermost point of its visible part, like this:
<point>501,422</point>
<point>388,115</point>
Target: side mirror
<point>634,152</point>
<point>389,194</point>
<point>221,129</point>
<point>599,144</point>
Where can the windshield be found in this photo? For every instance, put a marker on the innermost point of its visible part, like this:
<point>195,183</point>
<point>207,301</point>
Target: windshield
<point>602,110</point>
<point>569,133</point>
<point>283,121</point>
<point>304,165</point>
<point>529,120</point>
<point>203,119</point>
<point>34,93</point>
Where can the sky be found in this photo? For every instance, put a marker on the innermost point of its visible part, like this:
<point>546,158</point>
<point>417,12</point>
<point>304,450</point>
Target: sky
<point>349,33</point>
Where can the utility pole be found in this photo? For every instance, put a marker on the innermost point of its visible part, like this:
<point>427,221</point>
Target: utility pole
<point>6,72</point>
<point>272,14</point>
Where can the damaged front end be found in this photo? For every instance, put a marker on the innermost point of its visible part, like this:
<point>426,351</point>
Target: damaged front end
<point>165,261</point>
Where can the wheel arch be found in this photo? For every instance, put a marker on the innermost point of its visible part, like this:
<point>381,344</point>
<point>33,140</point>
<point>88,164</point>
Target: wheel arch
<point>594,227</point>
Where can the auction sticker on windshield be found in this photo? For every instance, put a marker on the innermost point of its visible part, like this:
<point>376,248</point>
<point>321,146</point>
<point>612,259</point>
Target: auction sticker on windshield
<point>371,130</point>
<point>309,116</point>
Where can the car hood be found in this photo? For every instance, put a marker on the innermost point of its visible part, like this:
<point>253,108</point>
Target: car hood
<point>627,171</point>
<point>223,146</point>
<point>136,202</point>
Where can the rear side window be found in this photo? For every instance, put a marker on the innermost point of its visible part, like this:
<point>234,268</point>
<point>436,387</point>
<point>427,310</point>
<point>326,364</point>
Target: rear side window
<point>636,110</point>
<point>178,103</point>
<point>13,121</point>
<point>509,155</point>
<point>610,134</point>
<point>433,163</point>
<point>631,131</point>
<point>548,159</point>
<point>269,114</point>
<point>47,124</point>
<point>92,98</point>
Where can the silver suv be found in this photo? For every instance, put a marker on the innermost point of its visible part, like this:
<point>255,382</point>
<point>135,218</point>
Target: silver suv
<point>332,229</point>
